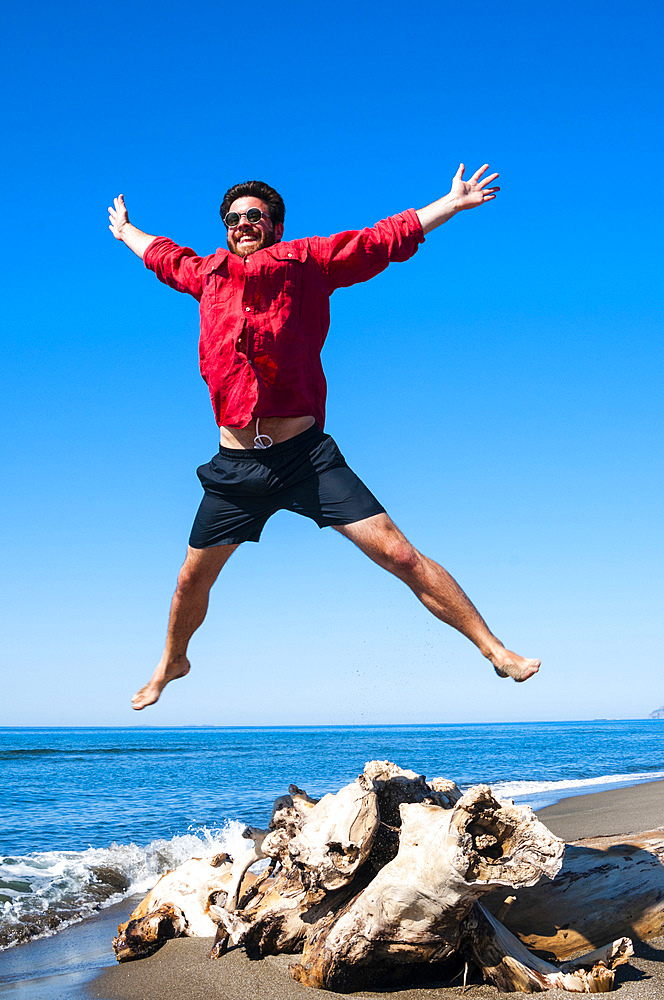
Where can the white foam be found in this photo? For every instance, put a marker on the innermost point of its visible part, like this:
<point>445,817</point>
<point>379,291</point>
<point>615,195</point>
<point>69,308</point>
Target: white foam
<point>548,792</point>
<point>48,890</point>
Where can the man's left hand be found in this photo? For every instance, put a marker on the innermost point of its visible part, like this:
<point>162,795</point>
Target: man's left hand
<point>474,191</point>
<point>463,194</point>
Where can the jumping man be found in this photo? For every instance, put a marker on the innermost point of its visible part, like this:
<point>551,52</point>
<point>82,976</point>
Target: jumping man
<point>264,307</point>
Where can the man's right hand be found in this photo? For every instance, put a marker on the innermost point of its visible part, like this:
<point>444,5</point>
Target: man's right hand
<point>122,229</point>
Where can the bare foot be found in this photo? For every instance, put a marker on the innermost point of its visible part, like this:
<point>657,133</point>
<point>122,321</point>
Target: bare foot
<point>165,672</point>
<point>518,668</point>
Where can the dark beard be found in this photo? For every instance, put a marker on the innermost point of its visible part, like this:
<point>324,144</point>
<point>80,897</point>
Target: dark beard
<point>266,239</point>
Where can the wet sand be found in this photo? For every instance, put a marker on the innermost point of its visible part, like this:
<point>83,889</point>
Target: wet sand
<point>606,814</point>
<point>58,967</point>
<point>67,966</point>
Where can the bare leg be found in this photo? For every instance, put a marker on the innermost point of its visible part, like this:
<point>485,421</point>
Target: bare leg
<point>382,541</point>
<point>188,609</point>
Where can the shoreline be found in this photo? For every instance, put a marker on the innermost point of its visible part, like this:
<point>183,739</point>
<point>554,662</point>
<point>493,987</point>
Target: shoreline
<point>613,812</point>
<point>77,963</point>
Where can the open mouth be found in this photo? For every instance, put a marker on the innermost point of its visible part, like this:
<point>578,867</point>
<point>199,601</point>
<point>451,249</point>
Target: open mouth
<point>248,237</point>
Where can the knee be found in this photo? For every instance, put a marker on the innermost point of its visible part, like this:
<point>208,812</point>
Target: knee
<point>190,579</point>
<point>403,559</point>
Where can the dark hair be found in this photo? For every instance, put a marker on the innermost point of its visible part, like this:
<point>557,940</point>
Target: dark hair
<point>255,189</point>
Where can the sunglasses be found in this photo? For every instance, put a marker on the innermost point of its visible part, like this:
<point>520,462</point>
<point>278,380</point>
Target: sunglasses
<point>252,215</point>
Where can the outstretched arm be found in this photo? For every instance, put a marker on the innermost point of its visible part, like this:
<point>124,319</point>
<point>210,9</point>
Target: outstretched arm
<point>463,194</point>
<point>122,229</point>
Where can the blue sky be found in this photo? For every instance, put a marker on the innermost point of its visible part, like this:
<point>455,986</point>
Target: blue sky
<point>500,392</point>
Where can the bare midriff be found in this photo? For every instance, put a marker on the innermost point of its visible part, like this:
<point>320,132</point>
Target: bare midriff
<point>277,428</point>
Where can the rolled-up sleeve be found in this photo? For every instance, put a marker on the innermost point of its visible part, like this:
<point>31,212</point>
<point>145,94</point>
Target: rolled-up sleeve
<point>360,254</point>
<point>176,266</point>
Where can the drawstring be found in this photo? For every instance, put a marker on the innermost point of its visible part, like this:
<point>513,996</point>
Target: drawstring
<point>260,439</point>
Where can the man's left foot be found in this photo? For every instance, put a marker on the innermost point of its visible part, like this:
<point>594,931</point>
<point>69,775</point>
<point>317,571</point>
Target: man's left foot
<point>508,664</point>
<point>167,671</point>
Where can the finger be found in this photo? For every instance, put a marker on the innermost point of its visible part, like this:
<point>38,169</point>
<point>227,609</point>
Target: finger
<point>459,174</point>
<point>487,180</point>
<point>478,173</point>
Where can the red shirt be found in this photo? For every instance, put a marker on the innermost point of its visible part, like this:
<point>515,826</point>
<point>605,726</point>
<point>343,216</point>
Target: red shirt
<point>278,297</point>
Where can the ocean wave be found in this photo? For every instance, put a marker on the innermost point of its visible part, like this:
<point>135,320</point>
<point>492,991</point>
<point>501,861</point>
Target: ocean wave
<point>43,892</point>
<point>541,793</point>
<point>15,754</point>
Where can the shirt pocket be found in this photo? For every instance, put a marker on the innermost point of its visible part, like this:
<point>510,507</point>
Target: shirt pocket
<point>284,267</point>
<point>217,286</point>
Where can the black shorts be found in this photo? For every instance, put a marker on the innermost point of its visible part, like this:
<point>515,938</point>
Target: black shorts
<point>306,474</point>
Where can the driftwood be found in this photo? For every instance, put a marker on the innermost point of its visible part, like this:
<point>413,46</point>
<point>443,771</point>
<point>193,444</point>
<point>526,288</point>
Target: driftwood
<point>178,905</point>
<point>367,883</point>
<point>606,885</point>
<point>510,966</point>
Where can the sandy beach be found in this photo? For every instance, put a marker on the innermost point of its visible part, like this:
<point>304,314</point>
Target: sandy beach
<point>68,964</point>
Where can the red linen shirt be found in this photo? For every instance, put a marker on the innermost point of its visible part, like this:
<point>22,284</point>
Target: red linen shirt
<point>275,303</point>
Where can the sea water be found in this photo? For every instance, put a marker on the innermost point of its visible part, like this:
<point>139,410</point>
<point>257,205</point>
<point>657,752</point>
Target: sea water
<point>91,815</point>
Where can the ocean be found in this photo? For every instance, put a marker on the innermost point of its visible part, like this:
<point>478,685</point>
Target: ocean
<point>91,816</point>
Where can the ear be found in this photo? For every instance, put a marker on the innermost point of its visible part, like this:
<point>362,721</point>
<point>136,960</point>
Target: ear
<point>278,232</point>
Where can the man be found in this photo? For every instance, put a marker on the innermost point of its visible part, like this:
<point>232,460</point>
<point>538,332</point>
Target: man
<point>264,308</point>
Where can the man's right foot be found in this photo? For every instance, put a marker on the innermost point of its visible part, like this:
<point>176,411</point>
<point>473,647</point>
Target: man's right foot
<point>163,675</point>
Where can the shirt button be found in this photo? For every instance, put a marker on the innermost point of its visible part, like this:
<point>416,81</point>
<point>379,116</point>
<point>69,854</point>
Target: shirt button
<point>247,309</point>
<point>290,254</point>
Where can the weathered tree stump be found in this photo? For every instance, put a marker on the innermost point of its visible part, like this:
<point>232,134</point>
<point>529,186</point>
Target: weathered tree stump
<point>384,875</point>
